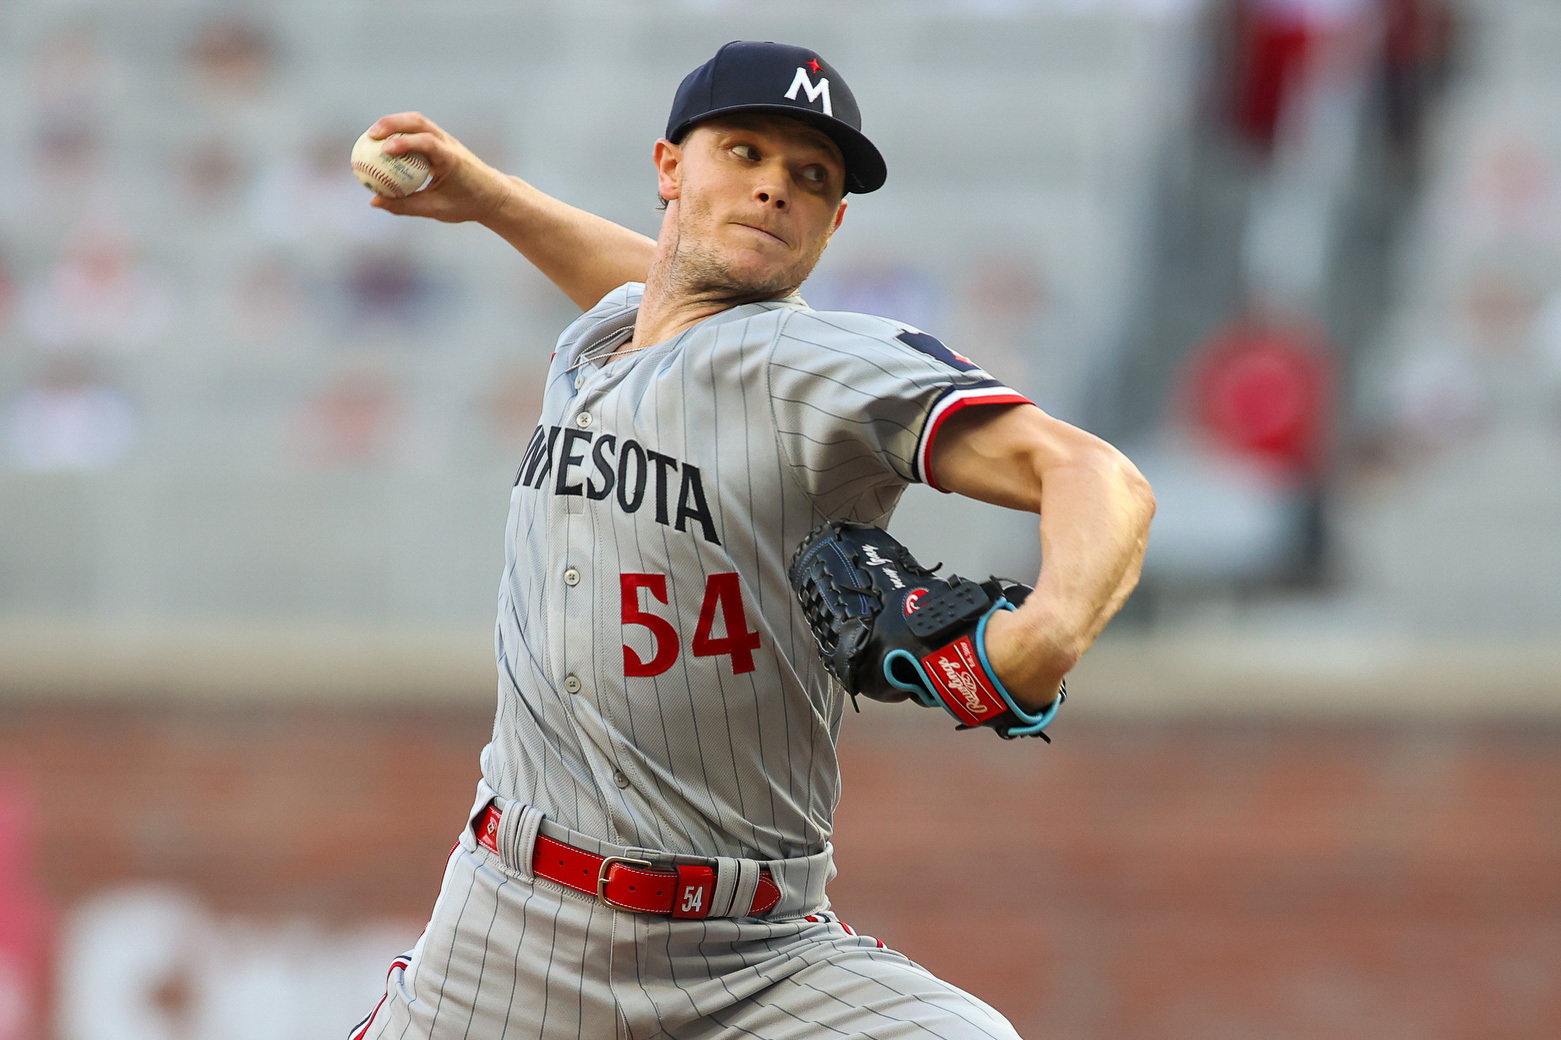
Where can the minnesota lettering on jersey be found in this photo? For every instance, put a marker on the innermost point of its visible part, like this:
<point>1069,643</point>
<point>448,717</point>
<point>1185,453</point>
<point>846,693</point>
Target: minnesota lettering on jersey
<point>600,466</point>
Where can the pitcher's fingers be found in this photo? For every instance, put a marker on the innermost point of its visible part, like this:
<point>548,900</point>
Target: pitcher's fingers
<point>403,123</point>
<point>438,153</point>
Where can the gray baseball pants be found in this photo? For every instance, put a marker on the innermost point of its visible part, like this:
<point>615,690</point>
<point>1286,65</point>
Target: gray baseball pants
<point>508,956</point>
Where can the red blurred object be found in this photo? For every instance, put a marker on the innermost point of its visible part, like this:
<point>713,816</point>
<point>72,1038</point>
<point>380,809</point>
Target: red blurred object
<point>22,923</point>
<point>1264,388</point>
<point>1273,45</point>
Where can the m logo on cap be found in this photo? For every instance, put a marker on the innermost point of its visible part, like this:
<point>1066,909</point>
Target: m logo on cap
<point>803,83</point>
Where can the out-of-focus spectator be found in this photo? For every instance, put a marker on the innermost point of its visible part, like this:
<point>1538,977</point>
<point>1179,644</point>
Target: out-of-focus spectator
<point>314,198</point>
<point>1436,402</point>
<point>1267,55</point>
<point>389,289</point>
<point>511,404</point>
<point>99,295</point>
<point>1417,41</point>
<point>265,302</point>
<point>1508,198</point>
<point>67,140</point>
<point>64,113</point>
<point>1240,477</point>
<point>69,418</point>
<point>1499,370</point>
<point>1500,304</point>
<point>1004,301</point>
<point>1262,387</point>
<point>71,92</point>
<point>357,419</point>
<point>232,56</point>
<point>1273,42</point>
<point>210,174</point>
<point>883,286</point>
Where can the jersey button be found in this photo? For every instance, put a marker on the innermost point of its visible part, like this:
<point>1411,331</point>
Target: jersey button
<point>619,779</point>
<point>571,577</point>
<point>572,683</point>
<point>583,420</point>
<point>579,380</point>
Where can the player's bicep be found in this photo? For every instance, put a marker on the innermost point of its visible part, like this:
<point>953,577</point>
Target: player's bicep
<point>1001,453</point>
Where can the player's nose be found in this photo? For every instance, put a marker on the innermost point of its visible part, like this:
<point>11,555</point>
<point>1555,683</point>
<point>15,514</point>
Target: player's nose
<point>771,191</point>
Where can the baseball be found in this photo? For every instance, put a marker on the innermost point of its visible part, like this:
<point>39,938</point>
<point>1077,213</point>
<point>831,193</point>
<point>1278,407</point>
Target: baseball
<point>390,175</point>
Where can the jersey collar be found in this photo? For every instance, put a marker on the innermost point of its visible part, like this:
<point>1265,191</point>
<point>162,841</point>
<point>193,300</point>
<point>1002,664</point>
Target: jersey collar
<point>612,328</point>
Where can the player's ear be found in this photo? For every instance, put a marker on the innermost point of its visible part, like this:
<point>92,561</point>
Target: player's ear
<point>669,169</point>
<point>840,214</point>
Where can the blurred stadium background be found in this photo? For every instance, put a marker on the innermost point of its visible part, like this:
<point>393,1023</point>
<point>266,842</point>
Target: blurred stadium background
<point>1297,257</point>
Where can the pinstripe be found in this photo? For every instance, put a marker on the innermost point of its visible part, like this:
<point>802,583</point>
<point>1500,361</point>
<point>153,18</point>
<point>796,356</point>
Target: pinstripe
<point>675,605</point>
<point>520,947</point>
<point>733,1027</point>
<point>580,973</point>
<point>547,973</point>
<point>784,1010</point>
<point>482,967</point>
<point>857,1005</point>
<point>841,418</point>
<point>666,733</point>
<point>909,994</point>
<point>791,981</point>
<point>729,485</point>
<point>726,718</point>
<point>455,939</point>
<point>842,387</point>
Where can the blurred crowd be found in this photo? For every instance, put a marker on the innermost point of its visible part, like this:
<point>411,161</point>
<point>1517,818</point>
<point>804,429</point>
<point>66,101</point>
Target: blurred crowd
<point>182,284</point>
<point>1279,261</point>
<point>190,277</point>
<point>164,248</point>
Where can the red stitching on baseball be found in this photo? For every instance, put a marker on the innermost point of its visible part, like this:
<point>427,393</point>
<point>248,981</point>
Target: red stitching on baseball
<point>363,167</point>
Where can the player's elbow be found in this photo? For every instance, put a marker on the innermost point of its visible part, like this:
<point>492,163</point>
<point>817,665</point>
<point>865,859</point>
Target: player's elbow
<point>1108,466</point>
<point>1135,488</point>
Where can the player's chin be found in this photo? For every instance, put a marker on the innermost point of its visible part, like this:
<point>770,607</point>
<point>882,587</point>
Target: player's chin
<point>760,275</point>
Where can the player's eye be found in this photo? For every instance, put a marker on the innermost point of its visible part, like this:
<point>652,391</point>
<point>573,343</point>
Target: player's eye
<point>745,151</point>
<point>814,174</point>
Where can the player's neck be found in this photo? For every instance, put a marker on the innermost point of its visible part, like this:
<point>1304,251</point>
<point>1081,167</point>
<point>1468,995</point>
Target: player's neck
<point>664,315</point>
<point>675,299</point>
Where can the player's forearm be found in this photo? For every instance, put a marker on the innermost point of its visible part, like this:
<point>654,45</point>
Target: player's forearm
<point>583,254</point>
<point>1095,514</point>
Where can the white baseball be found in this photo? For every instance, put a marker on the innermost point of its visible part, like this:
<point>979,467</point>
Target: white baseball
<point>391,175</point>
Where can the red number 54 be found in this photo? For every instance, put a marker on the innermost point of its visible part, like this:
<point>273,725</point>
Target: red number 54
<point>723,592</point>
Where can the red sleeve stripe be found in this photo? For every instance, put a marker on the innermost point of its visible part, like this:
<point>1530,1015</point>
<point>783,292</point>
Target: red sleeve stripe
<point>947,405</point>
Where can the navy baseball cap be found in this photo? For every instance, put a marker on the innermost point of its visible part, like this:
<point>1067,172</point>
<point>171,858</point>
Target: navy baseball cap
<point>745,76</point>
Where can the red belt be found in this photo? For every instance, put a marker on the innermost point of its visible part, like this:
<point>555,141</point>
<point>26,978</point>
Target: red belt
<point>625,883</point>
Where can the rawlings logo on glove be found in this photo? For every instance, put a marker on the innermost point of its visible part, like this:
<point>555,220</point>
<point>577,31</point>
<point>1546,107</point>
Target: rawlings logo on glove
<point>890,629</point>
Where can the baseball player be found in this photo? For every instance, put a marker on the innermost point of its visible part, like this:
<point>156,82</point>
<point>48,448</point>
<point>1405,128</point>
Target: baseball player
<point>649,848</point>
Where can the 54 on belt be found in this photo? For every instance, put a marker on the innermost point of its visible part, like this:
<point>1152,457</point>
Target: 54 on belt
<point>625,883</point>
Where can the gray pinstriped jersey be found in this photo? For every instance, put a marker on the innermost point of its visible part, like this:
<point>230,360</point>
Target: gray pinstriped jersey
<point>659,686</point>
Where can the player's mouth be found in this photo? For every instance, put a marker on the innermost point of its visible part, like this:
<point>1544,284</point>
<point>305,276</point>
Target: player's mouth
<point>762,231</point>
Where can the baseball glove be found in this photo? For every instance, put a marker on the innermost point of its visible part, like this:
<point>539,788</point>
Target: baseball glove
<point>890,629</point>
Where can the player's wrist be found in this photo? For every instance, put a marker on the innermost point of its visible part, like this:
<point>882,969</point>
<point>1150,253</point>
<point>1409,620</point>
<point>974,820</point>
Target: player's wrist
<point>497,199</point>
<point>1030,654</point>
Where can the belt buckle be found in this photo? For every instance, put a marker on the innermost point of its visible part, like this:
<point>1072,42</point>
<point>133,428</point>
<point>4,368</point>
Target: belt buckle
<point>606,868</point>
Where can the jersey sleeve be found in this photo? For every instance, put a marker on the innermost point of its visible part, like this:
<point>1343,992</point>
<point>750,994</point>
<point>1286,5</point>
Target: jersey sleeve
<point>859,401</point>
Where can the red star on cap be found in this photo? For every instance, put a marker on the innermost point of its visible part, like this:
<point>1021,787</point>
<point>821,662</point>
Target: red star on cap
<point>814,65</point>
